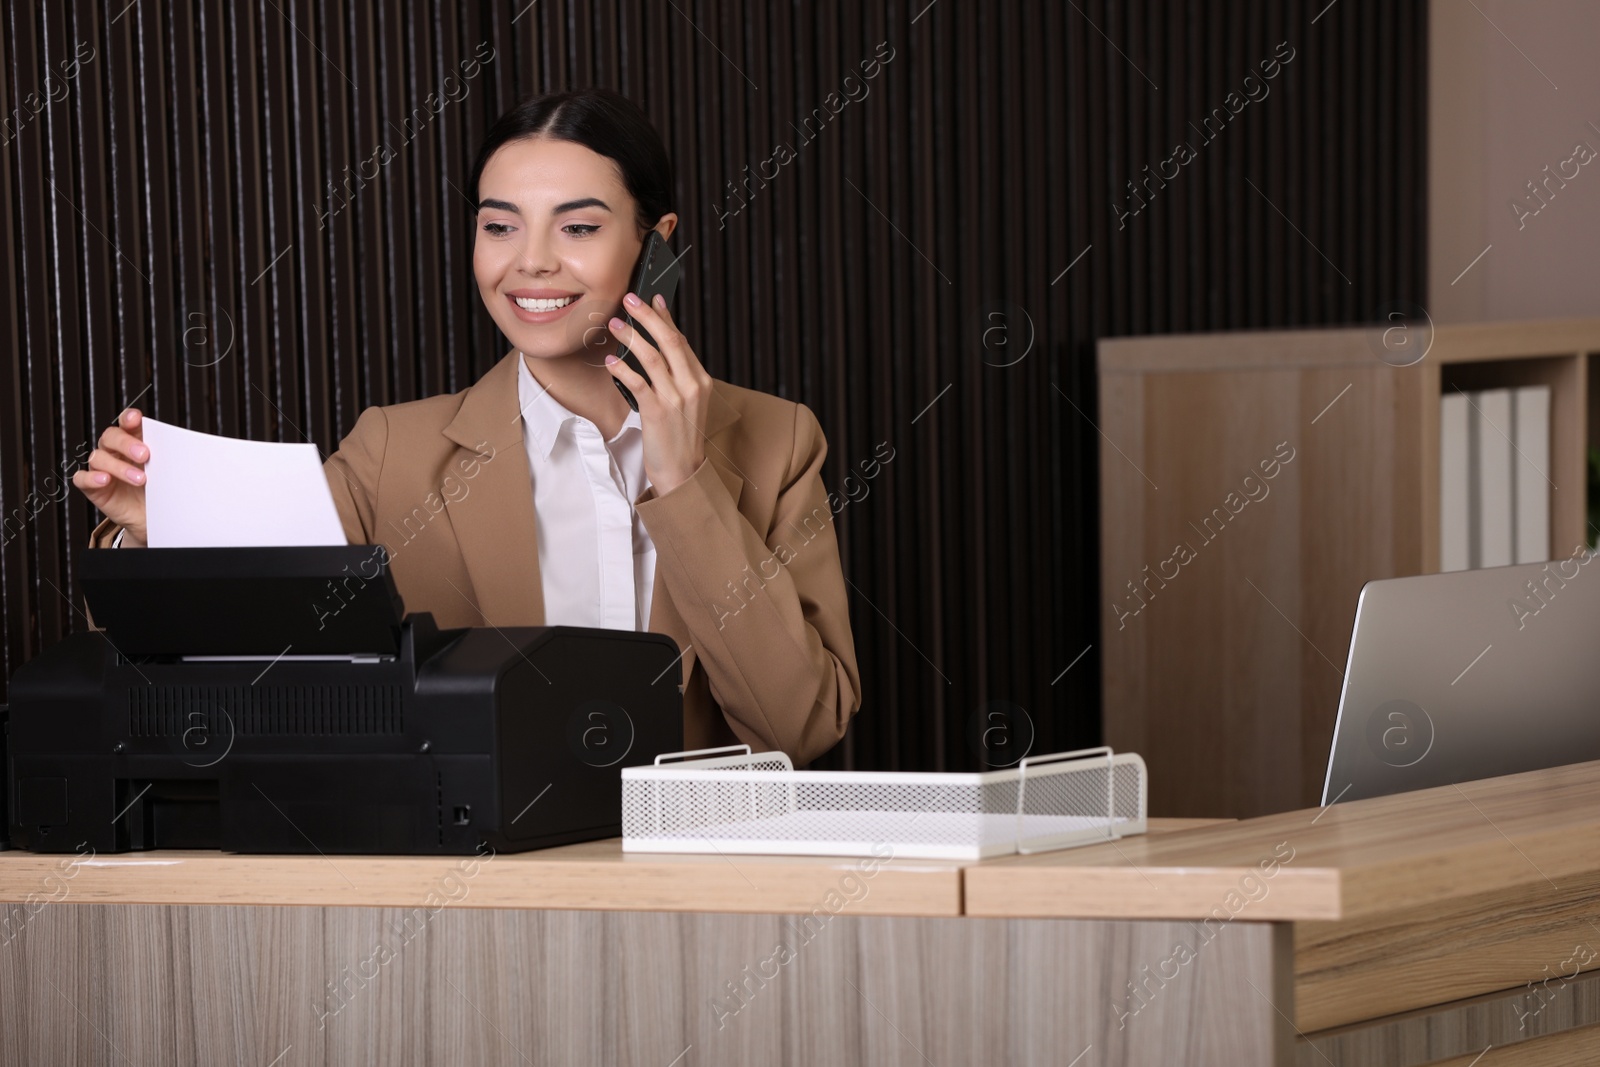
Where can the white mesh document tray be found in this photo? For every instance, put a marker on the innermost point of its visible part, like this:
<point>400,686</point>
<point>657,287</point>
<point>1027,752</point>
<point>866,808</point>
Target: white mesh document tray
<point>758,803</point>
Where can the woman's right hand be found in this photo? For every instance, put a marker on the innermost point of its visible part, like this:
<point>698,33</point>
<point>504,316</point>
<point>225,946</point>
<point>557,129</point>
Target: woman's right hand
<point>114,480</point>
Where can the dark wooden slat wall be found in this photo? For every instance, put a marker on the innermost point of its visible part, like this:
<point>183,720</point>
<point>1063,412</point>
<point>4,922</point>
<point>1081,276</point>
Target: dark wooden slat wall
<point>170,236</point>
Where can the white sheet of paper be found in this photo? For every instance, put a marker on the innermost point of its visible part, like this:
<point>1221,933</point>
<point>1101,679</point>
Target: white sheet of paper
<point>205,491</point>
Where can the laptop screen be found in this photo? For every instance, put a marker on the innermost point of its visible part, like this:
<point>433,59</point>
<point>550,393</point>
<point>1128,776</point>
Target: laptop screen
<point>1469,674</point>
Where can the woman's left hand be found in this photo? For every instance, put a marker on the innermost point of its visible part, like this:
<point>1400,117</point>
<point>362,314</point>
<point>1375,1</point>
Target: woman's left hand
<point>673,406</point>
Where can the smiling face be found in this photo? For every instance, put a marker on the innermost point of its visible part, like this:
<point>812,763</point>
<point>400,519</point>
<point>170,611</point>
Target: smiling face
<point>557,240</point>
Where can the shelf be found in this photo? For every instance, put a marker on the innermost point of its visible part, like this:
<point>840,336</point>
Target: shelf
<point>1224,670</point>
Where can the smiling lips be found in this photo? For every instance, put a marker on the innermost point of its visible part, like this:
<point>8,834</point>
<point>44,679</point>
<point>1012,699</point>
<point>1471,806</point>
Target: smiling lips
<point>541,305</point>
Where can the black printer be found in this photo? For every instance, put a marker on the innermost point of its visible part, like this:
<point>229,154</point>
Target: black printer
<point>278,700</point>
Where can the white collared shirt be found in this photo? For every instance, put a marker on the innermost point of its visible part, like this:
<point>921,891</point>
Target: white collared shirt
<point>597,563</point>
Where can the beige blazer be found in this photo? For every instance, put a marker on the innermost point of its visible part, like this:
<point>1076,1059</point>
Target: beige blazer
<point>748,580</point>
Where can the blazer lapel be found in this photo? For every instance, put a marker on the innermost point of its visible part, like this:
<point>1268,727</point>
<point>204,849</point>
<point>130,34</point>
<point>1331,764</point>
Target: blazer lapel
<point>494,522</point>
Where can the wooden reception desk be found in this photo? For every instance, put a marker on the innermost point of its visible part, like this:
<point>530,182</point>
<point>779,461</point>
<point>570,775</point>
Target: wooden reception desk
<point>1453,926</point>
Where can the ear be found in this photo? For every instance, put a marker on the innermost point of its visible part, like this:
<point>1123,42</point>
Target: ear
<point>666,225</point>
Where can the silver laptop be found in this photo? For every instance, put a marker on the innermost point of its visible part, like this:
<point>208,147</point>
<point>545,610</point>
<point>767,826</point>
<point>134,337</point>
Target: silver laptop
<point>1466,675</point>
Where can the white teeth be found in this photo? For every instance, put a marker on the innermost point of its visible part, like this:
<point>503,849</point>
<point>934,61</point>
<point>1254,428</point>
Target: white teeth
<point>535,304</point>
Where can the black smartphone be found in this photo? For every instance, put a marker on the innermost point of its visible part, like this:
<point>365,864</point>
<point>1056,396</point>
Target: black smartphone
<point>657,272</point>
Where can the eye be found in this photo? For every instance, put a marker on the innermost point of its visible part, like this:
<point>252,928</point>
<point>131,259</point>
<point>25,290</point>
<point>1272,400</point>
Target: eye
<point>578,226</point>
<point>496,229</point>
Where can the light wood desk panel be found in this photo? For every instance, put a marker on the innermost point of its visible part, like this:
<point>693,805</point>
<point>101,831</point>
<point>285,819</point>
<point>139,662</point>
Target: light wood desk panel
<point>1444,903</point>
<point>584,954</point>
<point>308,986</point>
<point>1390,932</point>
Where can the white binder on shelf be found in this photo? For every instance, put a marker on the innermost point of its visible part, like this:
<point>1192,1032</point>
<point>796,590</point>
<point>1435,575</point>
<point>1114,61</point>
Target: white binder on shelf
<point>1493,454</point>
<point>1455,511</point>
<point>1531,480</point>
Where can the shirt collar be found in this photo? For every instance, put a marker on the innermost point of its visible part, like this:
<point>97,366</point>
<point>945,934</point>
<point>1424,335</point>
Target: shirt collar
<point>544,416</point>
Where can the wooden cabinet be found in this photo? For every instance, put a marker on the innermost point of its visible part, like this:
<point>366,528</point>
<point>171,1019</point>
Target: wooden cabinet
<point>1250,484</point>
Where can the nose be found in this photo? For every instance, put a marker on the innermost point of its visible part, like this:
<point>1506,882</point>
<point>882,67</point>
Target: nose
<point>537,255</point>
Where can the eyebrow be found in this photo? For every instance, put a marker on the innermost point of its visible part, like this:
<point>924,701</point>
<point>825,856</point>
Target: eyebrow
<point>560,209</point>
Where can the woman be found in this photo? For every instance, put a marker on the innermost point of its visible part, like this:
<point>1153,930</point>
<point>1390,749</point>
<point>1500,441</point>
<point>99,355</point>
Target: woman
<point>538,497</point>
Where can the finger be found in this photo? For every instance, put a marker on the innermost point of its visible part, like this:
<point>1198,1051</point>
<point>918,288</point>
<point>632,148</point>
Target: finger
<point>674,345</point>
<point>668,338</point>
<point>652,313</point>
<point>658,304</point>
<point>672,357</point>
<point>116,466</point>
<point>132,420</point>
<point>125,444</point>
<point>641,390</point>
<point>698,370</point>
<point>648,354</point>
<point>661,327</point>
<point>91,484</point>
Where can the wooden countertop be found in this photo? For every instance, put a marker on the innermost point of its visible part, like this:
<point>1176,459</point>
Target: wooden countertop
<point>592,875</point>
<point>1360,858</point>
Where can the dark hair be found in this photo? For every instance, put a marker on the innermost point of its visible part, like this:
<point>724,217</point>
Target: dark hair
<point>601,120</point>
